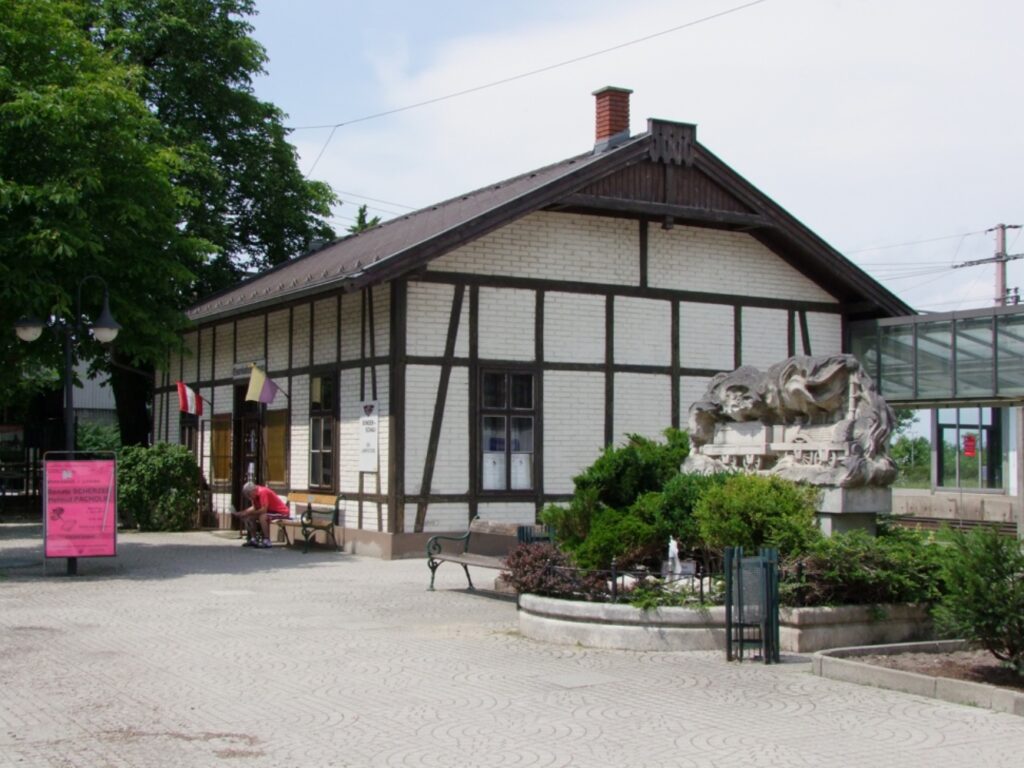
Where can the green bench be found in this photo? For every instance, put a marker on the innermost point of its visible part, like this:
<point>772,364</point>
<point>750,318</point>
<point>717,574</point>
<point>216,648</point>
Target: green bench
<point>320,514</point>
<point>469,548</point>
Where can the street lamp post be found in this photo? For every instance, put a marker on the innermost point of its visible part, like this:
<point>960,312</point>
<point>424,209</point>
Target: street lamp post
<point>104,330</point>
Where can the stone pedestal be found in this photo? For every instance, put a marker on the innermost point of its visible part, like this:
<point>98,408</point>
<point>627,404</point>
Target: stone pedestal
<point>849,509</point>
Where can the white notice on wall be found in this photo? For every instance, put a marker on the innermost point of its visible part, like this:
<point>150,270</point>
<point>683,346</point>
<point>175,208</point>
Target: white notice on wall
<point>368,431</point>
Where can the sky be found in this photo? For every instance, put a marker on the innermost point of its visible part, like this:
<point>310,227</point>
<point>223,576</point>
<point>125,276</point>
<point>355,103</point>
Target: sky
<point>891,128</point>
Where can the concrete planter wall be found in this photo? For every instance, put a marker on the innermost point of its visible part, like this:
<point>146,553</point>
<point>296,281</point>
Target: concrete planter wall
<point>802,630</point>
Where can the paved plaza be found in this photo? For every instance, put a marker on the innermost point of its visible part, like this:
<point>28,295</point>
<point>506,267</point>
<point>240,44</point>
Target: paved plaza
<point>188,650</point>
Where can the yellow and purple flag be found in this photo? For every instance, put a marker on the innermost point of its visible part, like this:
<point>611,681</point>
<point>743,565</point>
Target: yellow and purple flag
<point>261,387</point>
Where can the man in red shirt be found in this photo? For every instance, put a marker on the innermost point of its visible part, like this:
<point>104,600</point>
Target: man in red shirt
<point>266,506</point>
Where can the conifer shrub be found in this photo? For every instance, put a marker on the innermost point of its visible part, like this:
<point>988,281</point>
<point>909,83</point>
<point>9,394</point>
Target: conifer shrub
<point>984,600</point>
<point>753,511</point>
<point>856,568</point>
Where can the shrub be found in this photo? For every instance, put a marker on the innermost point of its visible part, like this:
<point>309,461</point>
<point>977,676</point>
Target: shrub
<point>616,480</point>
<point>542,569</point>
<point>855,568</point>
<point>752,511</point>
<point>620,475</point>
<point>158,487</point>
<point>618,534</point>
<point>97,437</point>
<point>984,599</point>
<point>671,511</point>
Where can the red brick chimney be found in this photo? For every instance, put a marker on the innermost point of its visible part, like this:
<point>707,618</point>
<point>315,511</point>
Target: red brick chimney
<point>612,123</point>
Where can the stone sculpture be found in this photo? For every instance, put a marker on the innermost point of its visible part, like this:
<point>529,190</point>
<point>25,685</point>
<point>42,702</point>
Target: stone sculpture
<point>818,420</point>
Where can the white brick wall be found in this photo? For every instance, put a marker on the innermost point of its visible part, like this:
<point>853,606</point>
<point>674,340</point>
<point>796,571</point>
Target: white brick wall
<point>826,332</point>
<point>573,426</point>
<point>420,392</point>
<point>382,318</point>
<point>574,328</point>
<point>506,329</point>
<point>643,405</point>
<point>765,336</point>
<point>206,347</point>
<point>706,336</point>
<point>440,517</point>
<point>250,340</point>
<point>643,331</point>
<point>224,359</point>
<point>430,306</point>
<point>554,246</point>
<point>277,341</point>
<point>349,435</point>
<point>451,466</point>
<point>325,326</point>
<point>691,389</point>
<point>299,458</point>
<point>300,335</point>
<point>508,512</point>
<point>715,261</point>
<point>351,308</point>
<point>190,359</point>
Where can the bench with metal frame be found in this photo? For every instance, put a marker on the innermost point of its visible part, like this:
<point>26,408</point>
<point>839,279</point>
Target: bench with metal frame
<point>465,549</point>
<point>321,517</point>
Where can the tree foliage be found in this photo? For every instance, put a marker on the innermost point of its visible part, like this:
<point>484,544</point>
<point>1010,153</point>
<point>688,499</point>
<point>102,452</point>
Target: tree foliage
<point>984,601</point>
<point>363,222</point>
<point>86,188</point>
<point>133,147</point>
<point>197,63</point>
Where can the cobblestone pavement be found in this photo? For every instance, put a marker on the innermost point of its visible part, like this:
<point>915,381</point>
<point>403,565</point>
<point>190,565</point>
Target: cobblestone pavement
<point>188,650</point>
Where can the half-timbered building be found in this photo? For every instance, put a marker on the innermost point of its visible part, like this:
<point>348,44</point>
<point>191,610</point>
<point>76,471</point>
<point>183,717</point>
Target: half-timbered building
<point>507,335</point>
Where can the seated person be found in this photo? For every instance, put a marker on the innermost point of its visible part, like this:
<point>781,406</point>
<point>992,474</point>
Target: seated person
<point>265,506</point>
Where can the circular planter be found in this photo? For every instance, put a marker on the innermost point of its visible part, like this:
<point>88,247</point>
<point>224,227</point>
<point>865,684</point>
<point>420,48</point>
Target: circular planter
<point>802,630</point>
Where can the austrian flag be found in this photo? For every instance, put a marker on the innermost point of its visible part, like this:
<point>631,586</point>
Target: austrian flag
<point>188,400</point>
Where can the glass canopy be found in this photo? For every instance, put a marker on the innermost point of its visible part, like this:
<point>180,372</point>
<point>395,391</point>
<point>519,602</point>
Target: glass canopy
<point>973,356</point>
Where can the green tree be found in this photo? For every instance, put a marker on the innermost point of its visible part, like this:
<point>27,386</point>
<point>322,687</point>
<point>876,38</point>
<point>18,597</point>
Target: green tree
<point>197,62</point>
<point>913,457</point>
<point>363,223</point>
<point>86,187</point>
<point>248,197</point>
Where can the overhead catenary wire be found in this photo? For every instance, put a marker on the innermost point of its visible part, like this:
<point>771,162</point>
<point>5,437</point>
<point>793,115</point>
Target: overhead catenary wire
<point>522,75</point>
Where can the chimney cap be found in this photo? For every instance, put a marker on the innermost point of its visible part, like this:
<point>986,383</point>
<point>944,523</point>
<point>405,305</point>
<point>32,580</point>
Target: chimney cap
<point>612,89</point>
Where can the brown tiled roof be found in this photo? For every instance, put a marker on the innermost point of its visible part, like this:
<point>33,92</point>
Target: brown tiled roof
<point>406,243</point>
<point>392,247</point>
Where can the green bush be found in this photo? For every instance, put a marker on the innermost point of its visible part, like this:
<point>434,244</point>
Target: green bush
<point>616,480</point>
<point>984,599</point>
<point>618,534</point>
<point>752,511</point>
<point>855,568</point>
<point>97,437</point>
<point>158,487</point>
<point>620,475</point>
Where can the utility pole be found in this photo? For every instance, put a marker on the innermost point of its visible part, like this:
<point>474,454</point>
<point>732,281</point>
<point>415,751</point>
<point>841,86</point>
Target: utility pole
<point>999,260</point>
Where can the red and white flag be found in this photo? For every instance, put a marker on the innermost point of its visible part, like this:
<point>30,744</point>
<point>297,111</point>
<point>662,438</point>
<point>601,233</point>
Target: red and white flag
<point>188,400</point>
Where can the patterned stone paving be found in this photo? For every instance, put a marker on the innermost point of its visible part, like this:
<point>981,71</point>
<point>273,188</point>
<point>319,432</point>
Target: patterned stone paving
<point>187,650</point>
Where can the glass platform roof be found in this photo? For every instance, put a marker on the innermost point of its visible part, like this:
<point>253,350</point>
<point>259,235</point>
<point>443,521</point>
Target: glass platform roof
<point>975,356</point>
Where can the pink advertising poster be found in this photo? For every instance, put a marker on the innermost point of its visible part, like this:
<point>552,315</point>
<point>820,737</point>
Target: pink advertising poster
<point>81,510</point>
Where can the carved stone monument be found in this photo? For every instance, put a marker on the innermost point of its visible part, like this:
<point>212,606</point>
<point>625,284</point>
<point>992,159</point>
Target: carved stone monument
<point>816,420</point>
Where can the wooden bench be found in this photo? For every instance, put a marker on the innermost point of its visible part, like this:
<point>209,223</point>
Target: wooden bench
<point>466,549</point>
<point>319,514</point>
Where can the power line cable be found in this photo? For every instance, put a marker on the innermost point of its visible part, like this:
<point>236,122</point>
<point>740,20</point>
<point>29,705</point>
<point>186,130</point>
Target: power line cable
<point>334,127</point>
<point>914,242</point>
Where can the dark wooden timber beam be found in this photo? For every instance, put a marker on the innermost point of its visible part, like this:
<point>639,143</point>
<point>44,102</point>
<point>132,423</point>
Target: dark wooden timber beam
<point>681,214</point>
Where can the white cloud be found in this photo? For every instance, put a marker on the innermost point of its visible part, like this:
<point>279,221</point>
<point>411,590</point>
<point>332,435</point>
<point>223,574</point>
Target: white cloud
<point>872,122</point>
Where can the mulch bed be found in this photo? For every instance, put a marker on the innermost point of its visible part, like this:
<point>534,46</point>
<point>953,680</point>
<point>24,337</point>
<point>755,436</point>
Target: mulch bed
<point>975,666</point>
